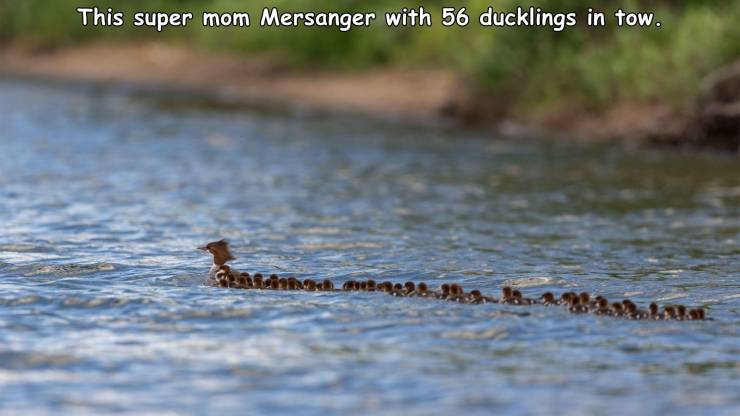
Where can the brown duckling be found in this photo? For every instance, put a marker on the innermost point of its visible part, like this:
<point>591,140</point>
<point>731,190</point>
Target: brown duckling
<point>477,298</point>
<point>348,285</point>
<point>274,284</point>
<point>457,294</point>
<point>371,285</point>
<point>594,303</point>
<point>398,290</point>
<point>444,291</point>
<point>257,281</point>
<point>521,300</point>
<point>310,285</point>
<point>617,309</point>
<point>327,286</point>
<point>669,312</point>
<point>283,283</point>
<point>245,281</point>
<point>409,288</point>
<point>386,287</point>
<point>602,307</point>
<point>548,299</point>
<point>506,294</point>
<point>653,311</point>
<point>696,314</point>
<point>222,278</point>
<point>680,312</point>
<point>631,311</point>
<point>585,298</point>
<point>627,302</point>
<point>565,298</point>
<point>422,290</point>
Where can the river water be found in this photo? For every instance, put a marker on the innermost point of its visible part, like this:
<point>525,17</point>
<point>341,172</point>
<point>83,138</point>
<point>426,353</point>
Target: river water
<point>104,197</point>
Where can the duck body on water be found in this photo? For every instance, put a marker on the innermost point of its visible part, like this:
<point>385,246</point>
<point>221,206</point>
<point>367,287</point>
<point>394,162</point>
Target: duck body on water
<point>223,275</point>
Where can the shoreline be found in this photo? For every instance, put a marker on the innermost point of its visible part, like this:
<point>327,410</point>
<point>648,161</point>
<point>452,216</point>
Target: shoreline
<point>416,97</point>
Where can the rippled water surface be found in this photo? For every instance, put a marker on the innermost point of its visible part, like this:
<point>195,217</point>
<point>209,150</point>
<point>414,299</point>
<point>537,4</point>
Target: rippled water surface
<point>103,198</point>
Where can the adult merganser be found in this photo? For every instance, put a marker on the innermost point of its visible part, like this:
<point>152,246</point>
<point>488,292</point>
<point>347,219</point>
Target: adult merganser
<point>221,254</point>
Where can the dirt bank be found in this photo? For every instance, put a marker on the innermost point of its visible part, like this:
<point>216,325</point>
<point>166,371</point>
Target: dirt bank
<point>409,96</point>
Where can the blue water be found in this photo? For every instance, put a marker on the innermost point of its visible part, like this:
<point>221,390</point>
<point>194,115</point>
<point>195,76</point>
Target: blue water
<point>104,197</point>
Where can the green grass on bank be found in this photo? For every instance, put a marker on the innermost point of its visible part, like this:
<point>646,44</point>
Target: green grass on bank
<point>533,68</point>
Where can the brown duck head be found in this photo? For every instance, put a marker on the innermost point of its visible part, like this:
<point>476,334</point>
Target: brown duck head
<point>220,251</point>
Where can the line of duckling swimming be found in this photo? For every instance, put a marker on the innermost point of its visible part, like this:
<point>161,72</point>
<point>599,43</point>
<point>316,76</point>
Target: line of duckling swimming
<point>578,303</point>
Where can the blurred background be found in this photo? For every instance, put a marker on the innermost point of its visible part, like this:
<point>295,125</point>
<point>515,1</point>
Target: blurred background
<point>606,81</point>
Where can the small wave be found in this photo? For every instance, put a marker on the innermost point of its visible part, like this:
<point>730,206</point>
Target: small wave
<point>69,269</point>
<point>23,300</point>
<point>21,248</point>
<point>21,359</point>
<point>531,281</point>
<point>671,297</point>
<point>339,246</point>
<point>495,334</point>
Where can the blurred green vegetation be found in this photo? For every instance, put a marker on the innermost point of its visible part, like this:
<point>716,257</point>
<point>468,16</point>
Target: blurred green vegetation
<point>535,68</point>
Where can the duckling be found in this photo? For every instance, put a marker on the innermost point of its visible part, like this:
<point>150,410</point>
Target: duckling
<point>222,278</point>
<point>457,294</point>
<point>507,294</point>
<point>292,284</point>
<point>355,285</point>
<point>257,282</point>
<point>548,299</point>
<point>669,312</point>
<point>371,285</point>
<point>386,286</point>
<point>594,303</point>
<point>566,297</point>
<point>627,302</point>
<point>422,290</point>
<point>576,306</point>
<point>617,309</point>
<point>310,285</point>
<point>631,312</point>
<point>680,312</point>
<point>245,281</point>
<point>363,286</point>
<point>409,288</point>
<point>398,290</point>
<point>283,283</point>
<point>700,314</point>
<point>585,298</point>
<point>521,300</point>
<point>444,291</point>
<point>653,311</point>
<point>602,307</point>
<point>347,286</point>
<point>327,286</point>
<point>274,284</point>
<point>477,298</point>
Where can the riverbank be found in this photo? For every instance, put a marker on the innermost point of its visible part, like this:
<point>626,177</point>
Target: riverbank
<point>399,95</point>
